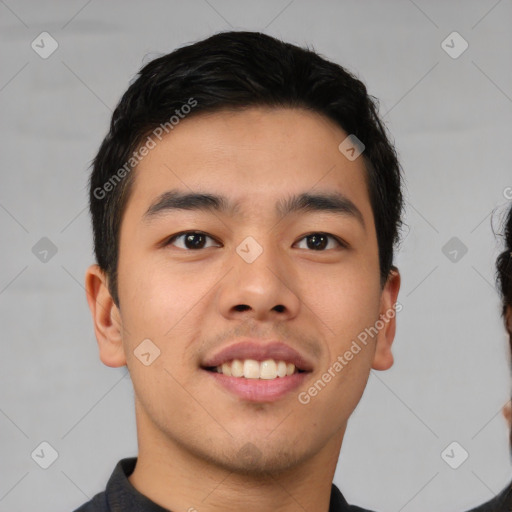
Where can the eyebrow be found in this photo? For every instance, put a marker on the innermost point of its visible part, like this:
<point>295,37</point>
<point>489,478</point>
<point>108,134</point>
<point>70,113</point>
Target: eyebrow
<point>172,200</point>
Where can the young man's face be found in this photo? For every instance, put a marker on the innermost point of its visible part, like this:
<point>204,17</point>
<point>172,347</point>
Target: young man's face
<point>194,298</point>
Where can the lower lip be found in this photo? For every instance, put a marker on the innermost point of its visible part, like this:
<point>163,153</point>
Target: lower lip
<point>260,390</point>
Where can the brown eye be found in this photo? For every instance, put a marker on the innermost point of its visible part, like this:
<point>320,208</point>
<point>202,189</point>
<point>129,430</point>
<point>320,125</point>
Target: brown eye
<point>320,241</point>
<point>191,240</point>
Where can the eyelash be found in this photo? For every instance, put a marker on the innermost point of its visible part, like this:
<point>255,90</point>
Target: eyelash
<point>175,237</point>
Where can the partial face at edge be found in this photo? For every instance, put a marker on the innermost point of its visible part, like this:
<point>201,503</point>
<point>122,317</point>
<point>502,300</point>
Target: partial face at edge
<point>192,298</point>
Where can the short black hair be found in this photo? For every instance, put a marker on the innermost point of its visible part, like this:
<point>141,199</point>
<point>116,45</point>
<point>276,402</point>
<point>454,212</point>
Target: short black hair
<point>237,70</point>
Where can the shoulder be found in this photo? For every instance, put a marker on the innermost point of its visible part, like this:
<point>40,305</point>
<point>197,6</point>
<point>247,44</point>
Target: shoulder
<point>117,489</point>
<point>96,504</point>
<point>353,508</point>
<point>501,503</point>
<point>339,504</point>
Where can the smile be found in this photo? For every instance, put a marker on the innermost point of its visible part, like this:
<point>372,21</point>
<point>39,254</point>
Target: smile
<point>251,369</point>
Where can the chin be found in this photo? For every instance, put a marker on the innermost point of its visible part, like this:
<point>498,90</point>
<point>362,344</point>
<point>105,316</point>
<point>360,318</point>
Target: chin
<point>260,459</point>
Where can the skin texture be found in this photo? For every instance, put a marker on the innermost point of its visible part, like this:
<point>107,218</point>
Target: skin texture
<point>199,445</point>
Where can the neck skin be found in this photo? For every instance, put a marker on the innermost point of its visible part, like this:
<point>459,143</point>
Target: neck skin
<point>177,480</point>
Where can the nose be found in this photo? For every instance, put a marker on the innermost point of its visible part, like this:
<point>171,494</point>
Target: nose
<point>262,289</point>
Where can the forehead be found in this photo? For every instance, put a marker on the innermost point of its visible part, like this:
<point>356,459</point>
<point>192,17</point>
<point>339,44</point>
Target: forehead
<point>253,156</point>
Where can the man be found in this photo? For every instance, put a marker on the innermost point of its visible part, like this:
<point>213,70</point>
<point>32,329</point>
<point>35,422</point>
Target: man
<point>245,207</point>
<point>503,501</point>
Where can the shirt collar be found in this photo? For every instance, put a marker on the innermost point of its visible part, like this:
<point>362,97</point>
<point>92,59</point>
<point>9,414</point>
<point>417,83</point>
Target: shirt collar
<point>123,497</point>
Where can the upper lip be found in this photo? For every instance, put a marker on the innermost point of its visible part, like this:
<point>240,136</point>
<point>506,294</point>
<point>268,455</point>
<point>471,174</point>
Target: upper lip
<point>259,351</point>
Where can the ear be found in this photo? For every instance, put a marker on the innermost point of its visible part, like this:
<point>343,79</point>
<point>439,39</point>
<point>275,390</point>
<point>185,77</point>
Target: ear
<point>507,413</point>
<point>106,318</point>
<point>383,358</point>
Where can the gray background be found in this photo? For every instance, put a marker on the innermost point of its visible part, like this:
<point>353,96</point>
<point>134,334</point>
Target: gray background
<point>451,121</point>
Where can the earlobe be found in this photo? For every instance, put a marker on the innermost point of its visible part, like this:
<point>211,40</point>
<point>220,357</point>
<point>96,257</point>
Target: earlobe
<point>383,358</point>
<point>106,318</point>
<point>507,413</point>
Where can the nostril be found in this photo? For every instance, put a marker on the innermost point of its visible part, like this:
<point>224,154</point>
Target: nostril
<point>244,307</point>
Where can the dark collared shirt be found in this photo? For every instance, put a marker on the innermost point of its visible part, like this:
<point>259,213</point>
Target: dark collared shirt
<point>121,496</point>
<point>501,503</point>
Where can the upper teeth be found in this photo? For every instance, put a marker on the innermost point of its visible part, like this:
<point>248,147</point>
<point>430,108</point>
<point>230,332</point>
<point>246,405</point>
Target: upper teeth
<point>252,369</point>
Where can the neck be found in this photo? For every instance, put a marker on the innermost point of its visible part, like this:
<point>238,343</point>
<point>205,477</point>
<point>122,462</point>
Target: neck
<point>177,479</point>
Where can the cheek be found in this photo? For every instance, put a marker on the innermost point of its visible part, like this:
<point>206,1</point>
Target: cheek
<point>347,303</point>
<point>336,392</point>
<point>157,296</point>
<point>162,305</point>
